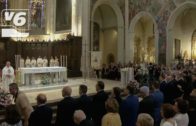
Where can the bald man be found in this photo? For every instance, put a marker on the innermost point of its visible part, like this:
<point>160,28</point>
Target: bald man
<point>42,116</point>
<point>66,108</point>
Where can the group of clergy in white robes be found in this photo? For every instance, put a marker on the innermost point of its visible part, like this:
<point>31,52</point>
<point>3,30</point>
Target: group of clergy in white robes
<point>40,62</point>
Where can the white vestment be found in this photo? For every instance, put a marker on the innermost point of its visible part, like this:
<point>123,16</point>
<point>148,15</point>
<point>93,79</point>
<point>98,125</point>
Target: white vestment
<point>56,62</point>
<point>28,63</point>
<point>45,62</point>
<point>52,63</point>
<point>39,62</point>
<point>33,63</point>
<point>7,76</point>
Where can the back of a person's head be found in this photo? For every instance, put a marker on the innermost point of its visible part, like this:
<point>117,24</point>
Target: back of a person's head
<point>83,89</point>
<point>79,116</point>
<point>112,105</point>
<point>66,91</point>
<point>101,85</point>
<point>13,85</point>
<point>12,116</point>
<point>145,119</point>
<point>167,111</point>
<point>131,89</point>
<point>116,91</point>
<point>41,99</point>
<point>182,105</point>
<point>156,84</point>
<point>145,90</point>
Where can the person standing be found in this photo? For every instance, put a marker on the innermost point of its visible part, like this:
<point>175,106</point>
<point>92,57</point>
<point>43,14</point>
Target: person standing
<point>7,75</point>
<point>22,103</point>
<point>42,115</point>
<point>66,109</point>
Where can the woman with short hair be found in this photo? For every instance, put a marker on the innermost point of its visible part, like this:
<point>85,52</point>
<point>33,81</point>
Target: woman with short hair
<point>144,119</point>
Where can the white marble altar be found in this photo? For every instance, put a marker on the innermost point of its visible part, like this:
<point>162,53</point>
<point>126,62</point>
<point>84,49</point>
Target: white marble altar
<point>26,74</point>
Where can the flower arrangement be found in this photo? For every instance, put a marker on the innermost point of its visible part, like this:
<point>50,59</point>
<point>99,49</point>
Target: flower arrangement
<point>5,98</point>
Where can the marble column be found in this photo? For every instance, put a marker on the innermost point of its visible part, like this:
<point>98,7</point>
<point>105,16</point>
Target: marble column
<point>50,12</point>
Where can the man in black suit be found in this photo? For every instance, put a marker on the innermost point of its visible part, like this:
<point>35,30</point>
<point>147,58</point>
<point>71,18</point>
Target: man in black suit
<point>80,119</point>
<point>42,115</point>
<point>84,102</point>
<point>66,108</point>
<point>99,103</point>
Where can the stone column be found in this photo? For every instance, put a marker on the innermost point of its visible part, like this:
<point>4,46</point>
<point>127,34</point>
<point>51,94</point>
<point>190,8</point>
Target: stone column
<point>85,60</point>
<point>128,51</point>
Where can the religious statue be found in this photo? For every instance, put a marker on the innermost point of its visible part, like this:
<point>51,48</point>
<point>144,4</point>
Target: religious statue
<point>28,62</point>
<point>22,62</point>
<point>52,62</point>
<point>39,62</point>
<point>185,55</point>
<point>7,75</point>
<point>33,62</point>
<point>56,61</point>
<point>45,62</point>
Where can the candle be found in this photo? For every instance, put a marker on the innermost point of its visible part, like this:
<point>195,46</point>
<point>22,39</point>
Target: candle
<point>66,61</point>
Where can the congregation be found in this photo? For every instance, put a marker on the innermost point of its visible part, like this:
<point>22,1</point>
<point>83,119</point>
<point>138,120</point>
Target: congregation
<point>168,99</point>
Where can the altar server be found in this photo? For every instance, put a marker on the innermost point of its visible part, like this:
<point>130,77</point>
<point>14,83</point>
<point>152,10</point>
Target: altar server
<point>45,62</point>
<point>7,75</point>
<point>28,62</point>
<point>33,62</point>
<point>56,61</point>
<point>52,62</point>
<point>39,62</point>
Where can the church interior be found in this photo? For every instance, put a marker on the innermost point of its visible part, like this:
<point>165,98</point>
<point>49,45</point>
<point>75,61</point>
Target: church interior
<point>134,59</point>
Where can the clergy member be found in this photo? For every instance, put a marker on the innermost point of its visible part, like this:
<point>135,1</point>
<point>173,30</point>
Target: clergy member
<point>52,62</point>
<point>28,62</point>
<point>7,75</point>
<point>56,61</point>
<point>39,62</point>
<point>33,62</point>
<point>45,62</point>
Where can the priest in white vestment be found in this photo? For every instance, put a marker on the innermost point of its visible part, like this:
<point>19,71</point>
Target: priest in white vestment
<point>39,62</point>
<point>28,62</point>
<point>56,61</point>
<point>33,62</point>
<point>45,62</point>
<point>7,75</point>
<point>52,62</point>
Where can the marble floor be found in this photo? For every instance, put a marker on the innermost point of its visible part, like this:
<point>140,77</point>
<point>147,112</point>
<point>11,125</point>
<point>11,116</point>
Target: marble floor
<point>53,92</point>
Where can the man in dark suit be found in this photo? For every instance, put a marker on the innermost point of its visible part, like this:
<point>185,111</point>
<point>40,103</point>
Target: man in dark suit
<point>99,103</point>
<point>147,103</point>
<point>84,102</point>
<point>66,108</point>
<point>42,115</point>
<point>80,119</point>
<point>129,107</point>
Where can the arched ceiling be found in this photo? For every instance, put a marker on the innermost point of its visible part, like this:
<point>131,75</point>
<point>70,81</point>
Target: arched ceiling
<point>105,17</point>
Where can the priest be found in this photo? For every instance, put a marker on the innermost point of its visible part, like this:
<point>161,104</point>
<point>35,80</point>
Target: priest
<point>7,75</point>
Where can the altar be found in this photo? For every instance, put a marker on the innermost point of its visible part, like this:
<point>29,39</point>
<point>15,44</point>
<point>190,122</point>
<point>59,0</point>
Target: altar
<point>27,76</point>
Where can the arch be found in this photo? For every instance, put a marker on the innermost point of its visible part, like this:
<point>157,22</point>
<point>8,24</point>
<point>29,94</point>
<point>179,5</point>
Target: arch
<point>120,25</point>
<point>169,29</point>
<point>130,43</point>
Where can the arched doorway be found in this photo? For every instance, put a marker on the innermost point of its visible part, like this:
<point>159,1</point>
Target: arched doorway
<point>180,28</point>
<point>143,39</point>
<point>107,31</point>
